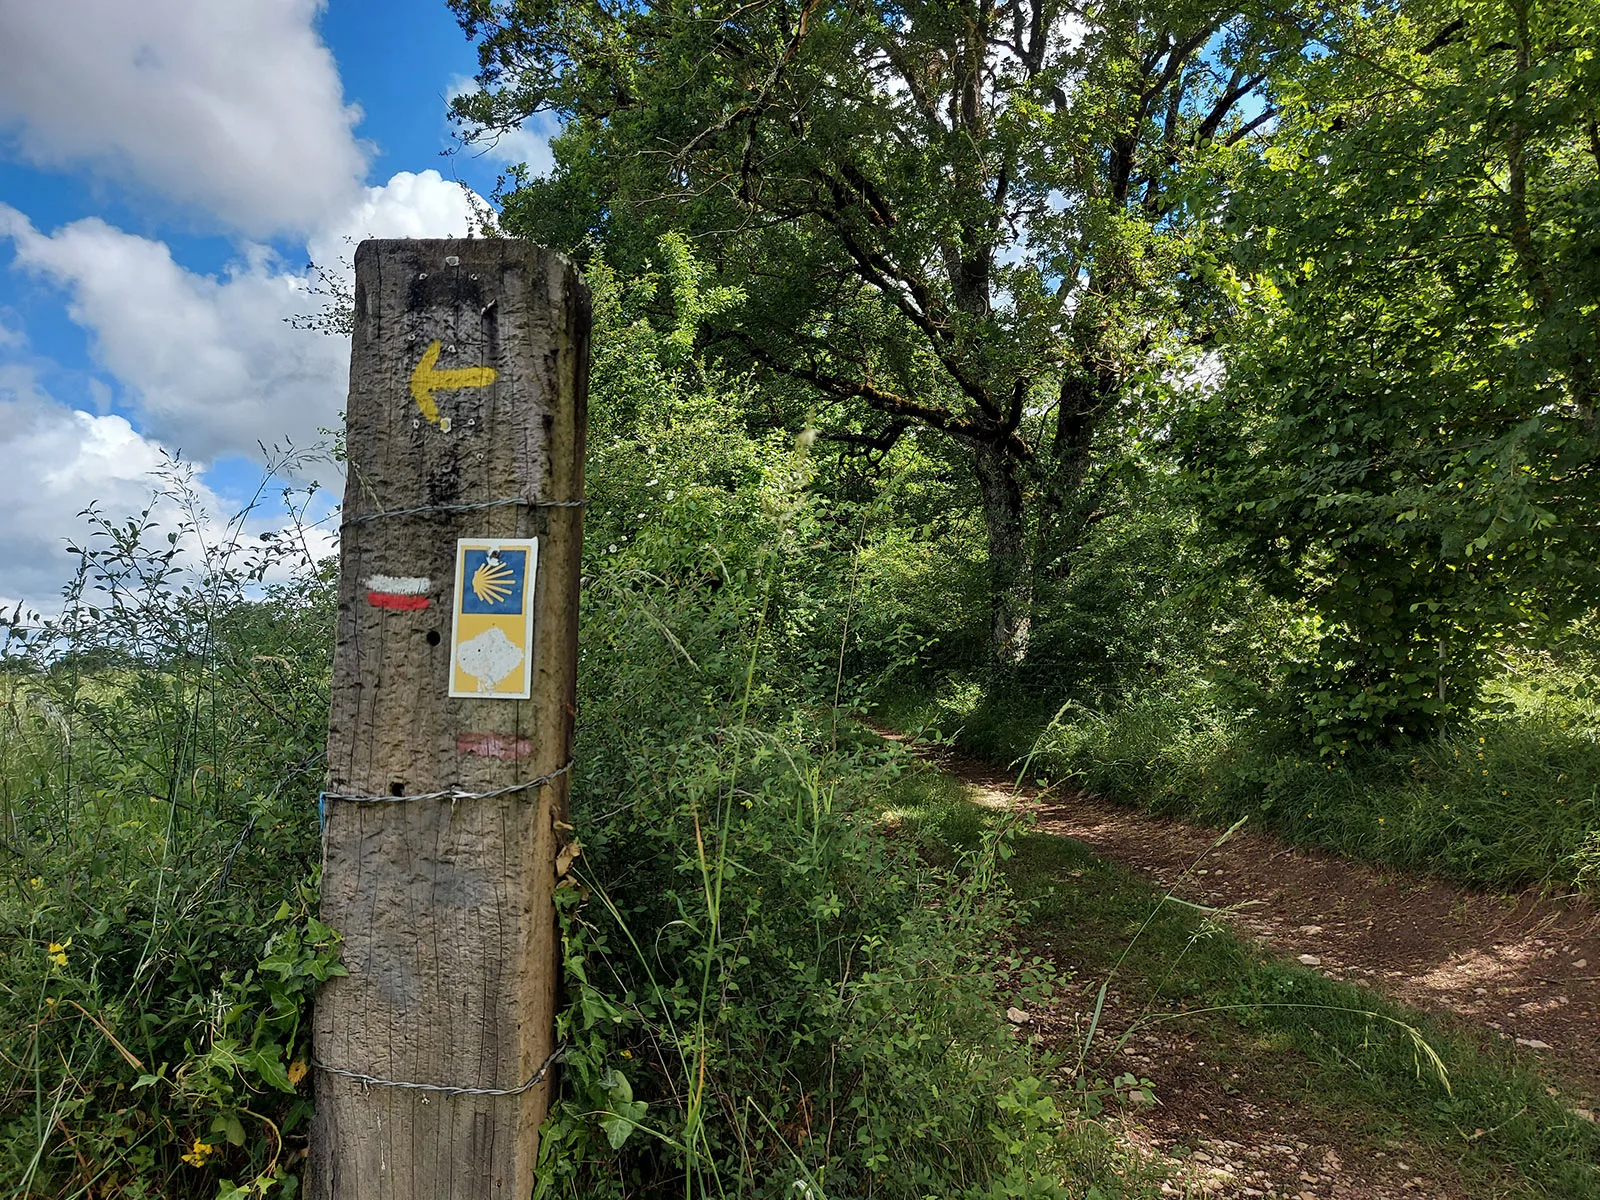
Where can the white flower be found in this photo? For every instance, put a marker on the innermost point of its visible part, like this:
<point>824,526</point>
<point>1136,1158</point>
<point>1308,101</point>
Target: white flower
<point>611,549</point>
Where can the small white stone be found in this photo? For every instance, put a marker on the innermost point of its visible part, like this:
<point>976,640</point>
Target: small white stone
<point>1017,1017</point>
<point>1309,960</point>
<point>1533,1043</point>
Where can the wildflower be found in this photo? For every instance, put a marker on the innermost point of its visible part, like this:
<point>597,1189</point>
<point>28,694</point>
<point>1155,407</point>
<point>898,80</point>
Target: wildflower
<point>297,1072</point>
<point>202,1151</point>
<point>1380,820</point>
<point>57,953</point>
<point>627,1054</point>
<point>37,883</point>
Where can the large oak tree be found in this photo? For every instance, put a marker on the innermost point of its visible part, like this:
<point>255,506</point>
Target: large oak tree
<point>985,218</point>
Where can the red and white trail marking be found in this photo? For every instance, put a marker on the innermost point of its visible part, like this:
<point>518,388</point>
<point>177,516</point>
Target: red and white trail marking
<point>406,593</point>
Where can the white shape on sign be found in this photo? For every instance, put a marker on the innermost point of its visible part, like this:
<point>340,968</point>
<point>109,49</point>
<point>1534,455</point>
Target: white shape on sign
<point>488,658</point>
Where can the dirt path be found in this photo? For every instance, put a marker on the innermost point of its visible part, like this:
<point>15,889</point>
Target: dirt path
<point>1525,967</point>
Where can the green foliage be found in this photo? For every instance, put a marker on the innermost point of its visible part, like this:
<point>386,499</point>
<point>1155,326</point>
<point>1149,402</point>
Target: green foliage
<point>989,223</point>
<point>771,983</point>
<point>770,993</point>
<point>159,758</point>
<point>1406,441</point>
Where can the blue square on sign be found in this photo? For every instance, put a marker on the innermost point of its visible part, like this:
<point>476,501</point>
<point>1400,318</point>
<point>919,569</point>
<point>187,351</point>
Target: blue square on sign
<point>494,581</point>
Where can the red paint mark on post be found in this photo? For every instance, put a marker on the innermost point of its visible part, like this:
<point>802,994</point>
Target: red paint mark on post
<point>494,745</point>
<point>400,592</point>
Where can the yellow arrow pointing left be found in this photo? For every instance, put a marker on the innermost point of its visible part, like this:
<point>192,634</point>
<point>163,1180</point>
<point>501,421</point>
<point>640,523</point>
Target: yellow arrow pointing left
<point>426,379</point>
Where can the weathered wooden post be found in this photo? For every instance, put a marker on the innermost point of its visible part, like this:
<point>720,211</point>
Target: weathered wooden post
<point>451,721</point>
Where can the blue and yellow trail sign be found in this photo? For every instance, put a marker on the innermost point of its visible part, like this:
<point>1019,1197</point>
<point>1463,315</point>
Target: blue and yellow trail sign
<point>491,635</point>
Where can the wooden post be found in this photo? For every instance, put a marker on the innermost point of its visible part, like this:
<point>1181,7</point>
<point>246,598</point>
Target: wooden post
<point>468,374</point>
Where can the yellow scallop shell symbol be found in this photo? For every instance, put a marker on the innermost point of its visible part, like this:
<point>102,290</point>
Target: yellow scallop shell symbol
<point>492,582</point>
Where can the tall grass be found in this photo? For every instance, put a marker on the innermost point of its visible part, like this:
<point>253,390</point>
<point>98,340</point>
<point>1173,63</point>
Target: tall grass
<point>160,751</point>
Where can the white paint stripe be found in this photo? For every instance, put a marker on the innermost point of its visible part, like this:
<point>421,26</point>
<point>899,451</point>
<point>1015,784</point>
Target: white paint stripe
<point>398,585</point>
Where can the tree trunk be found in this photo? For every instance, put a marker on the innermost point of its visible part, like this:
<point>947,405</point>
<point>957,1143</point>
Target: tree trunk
<point>1010,565</point>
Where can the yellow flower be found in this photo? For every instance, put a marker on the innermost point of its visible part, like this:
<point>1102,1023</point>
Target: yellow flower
<point>627,1054</point>
<point>297,1072</point>
<point>202,1151</point>
<point>36,882</point>
<point>57,953</point>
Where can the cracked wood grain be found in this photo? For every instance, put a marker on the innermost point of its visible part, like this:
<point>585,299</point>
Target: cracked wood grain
<point>445,908</point>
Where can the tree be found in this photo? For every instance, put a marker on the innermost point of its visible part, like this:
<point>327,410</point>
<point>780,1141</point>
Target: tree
<point>977,218</point>
<point>1407,437</point>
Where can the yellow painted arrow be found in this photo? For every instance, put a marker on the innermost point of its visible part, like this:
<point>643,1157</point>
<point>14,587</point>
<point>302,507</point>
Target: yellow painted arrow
<point>425,380</point>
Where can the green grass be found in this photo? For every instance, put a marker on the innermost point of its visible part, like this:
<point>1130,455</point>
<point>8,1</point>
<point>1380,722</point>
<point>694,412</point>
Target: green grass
<point>1335,1051</point>
<point>1508,801</point>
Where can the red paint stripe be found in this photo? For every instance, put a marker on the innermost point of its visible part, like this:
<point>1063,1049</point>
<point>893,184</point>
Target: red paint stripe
<point>392,600</point>
<point>494,745</point>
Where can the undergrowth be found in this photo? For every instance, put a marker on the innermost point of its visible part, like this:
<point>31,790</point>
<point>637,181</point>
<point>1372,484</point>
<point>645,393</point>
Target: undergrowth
<point>773,991</point>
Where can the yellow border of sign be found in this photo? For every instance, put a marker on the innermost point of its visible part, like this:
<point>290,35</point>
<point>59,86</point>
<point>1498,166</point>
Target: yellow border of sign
<point>511,624</point>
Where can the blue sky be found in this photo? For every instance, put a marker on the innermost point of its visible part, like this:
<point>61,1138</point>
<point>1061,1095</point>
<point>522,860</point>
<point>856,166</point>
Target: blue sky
<point>166,169</point>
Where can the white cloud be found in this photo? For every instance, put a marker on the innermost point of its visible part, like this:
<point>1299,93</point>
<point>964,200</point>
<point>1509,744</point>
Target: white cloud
<point>422,205</point>
<point>53,463</point>
<point>233,107</point>
<point>528,143</point>
<point>209,362</point>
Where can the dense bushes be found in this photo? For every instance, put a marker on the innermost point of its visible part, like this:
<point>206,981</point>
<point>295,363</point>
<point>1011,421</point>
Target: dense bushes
<point>771,991</point>
<point>770,995</point>
<point>159,760</point>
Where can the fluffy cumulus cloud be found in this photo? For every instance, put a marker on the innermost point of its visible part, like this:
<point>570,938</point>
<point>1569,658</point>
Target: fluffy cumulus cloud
<point>231,107</point>
<point>208,365</point>
<point>212,364</point>
<point>53,462</point>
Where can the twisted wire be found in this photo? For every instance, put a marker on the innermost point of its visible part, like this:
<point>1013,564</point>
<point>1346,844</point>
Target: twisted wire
<point>376,1081</point>
<point>451,508</point>
<point>451,794</point>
